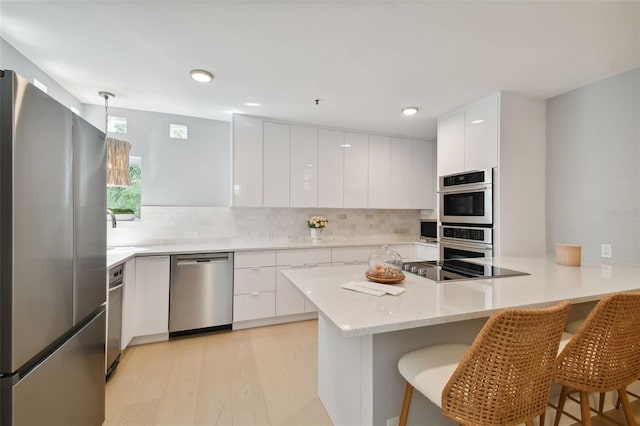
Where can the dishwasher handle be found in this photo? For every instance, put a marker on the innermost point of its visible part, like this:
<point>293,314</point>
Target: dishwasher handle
<point>202,259</point>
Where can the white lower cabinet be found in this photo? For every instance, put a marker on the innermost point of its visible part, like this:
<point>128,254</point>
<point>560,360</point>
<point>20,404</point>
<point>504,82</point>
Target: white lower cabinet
<point>352,255</point>
<point>151,295</point>
<point>129,317</point>
<point>288,299</point>
<point>254,285</point>
<point>427,252</point>
<point>406,251</point>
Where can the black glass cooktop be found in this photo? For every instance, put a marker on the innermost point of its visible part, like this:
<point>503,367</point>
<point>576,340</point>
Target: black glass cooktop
<point>457,270</point>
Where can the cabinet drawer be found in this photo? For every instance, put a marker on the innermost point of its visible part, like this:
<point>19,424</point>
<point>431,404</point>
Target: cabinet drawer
<point>352,254</point>
<point>251,280</point>
<point>250,259</point>
<point>254,306</point>
<point>304,256</point>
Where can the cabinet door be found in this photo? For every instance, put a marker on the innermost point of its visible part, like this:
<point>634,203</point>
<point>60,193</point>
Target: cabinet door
<point>129,317</point>
<point>247,161</point>
<point>427,252</point>
<point>304,166</point>
<point>152,295</point>
<point>481,134</point>
<point>356,170</point>
<point>288,300</point>
<point>451,144</point>
<point>401,162</point>
<point>406,251</point>
<point>276,165</point>
<point>422,176</point>
<point>330,168</point>
<point>379,189</point>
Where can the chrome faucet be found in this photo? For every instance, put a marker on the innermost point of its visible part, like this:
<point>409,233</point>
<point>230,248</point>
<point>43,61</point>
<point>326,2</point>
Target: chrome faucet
<point>113,218</point>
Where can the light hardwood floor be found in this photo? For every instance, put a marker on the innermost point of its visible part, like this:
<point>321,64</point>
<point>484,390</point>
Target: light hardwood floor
<point>260,376</point>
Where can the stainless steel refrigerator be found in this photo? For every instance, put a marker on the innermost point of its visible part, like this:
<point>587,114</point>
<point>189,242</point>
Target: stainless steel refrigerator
<point>52,261</point>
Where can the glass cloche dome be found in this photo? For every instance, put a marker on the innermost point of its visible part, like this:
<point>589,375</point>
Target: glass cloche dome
<point>385,265</point>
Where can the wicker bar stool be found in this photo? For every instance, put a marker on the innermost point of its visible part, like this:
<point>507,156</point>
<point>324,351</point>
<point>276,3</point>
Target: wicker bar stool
<point>603,355</point>
<point>503,378</point>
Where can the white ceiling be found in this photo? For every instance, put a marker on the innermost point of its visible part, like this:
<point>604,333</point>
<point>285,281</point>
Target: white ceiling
<point>364,60</point>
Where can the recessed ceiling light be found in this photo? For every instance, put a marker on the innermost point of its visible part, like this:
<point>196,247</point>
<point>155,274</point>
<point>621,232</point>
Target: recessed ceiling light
<point>477,121</point>
<point>202,76</point>
<point>252,104</point>
<point>410,110</point>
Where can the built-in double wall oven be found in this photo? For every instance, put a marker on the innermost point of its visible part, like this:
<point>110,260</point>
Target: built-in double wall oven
<point>466,215</point>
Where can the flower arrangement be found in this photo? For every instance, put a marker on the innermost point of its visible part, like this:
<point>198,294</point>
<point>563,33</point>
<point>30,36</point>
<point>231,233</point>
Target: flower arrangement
<point>317,222</point>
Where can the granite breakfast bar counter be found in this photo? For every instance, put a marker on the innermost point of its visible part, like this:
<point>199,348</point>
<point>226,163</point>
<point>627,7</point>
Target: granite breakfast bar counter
<point>361,337</point>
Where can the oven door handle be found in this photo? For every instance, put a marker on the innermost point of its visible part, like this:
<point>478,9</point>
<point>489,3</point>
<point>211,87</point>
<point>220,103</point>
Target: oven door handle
<point>458,243</point>
<point>470,188</point>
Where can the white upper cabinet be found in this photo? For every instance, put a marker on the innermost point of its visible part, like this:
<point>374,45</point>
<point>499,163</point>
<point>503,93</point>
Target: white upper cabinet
<point>356,170</point>
<point>276,165</point>
<point>379,172</point>
<point>468,138</point>
<point>330,168</point>
<point>481,134</point>
<point>401,165</point>
<point>451,144</point>
<point>423,176</point>
<point>247,161</point>
<point>304,167</point>
<point>288,165</point>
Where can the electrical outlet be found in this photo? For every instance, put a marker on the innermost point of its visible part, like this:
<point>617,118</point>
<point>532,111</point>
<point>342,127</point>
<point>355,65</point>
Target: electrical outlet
<point>605,250</point>
<point>393,422</point>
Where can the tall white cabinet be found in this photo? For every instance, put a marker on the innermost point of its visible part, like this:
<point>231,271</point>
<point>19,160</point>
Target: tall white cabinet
<point>504,132</point>
<point>379,172</point>
<point>356,170</point>
<point>247,161</point>
<point>304,167</point>
<point>401,169</point>
<point>276,165</point>
<point>468,137</point>
<point>331,148</point>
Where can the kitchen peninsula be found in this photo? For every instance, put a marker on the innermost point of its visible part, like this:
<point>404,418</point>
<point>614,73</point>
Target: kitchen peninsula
<point>361,337</point>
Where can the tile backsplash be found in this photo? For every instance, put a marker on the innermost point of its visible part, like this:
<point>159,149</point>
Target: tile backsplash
<point>170,225</point>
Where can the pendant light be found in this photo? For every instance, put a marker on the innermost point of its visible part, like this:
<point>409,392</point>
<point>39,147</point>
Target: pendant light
<point>117,152</point>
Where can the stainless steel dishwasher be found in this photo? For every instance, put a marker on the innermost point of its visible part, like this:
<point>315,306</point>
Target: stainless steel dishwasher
<point>201,293</point>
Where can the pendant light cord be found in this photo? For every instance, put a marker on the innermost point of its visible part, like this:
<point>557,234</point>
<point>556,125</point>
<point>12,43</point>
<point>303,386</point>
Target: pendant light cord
<point>106,96</point>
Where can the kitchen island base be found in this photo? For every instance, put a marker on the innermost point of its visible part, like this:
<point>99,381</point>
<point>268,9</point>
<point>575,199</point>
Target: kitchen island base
<point>359,383</point>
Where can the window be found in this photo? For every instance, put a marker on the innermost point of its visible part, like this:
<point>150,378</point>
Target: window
<point>178,131</point>
<point>40,85</point>
<point>117,124</point>
<point>128,197</point>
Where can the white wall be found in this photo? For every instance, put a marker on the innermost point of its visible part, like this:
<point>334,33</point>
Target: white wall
<point>593,168</point>
<point>176,172</point>
<point>11,59</point>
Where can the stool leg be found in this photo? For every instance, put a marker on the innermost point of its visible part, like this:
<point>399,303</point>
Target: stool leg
<point>601,403</point>
<point>408,391</point>
<point>541,422</point>
<point>563,398</point>
<point>528,422</point>
<point>584,408</point>
<point>624,399</point>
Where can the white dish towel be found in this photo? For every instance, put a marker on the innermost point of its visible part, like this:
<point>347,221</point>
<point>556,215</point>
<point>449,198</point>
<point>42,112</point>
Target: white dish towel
<point>373,289</point>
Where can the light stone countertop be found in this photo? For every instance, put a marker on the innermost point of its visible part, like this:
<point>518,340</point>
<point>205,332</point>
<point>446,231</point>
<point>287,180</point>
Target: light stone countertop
<point>426,302</point>
<point>119,255</point>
